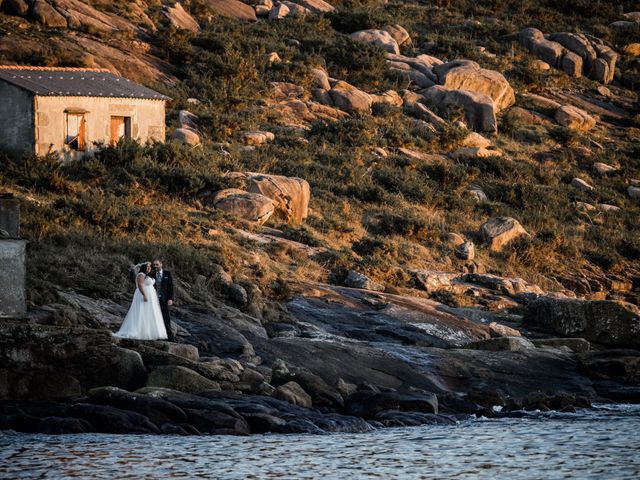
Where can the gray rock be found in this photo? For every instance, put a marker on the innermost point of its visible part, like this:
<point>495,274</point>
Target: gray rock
<point>577,345</point>
<point>358,280</point>
<point>581,185</point>
<point>499,231</point>
<point>604,321</point>
<point>186,135</point>
<point>500,344</point>
<point>368,404</point>
<point>478,107</point>
<point>293,393</point>
<point>379,38</point>
<point>181,379</point>
<point>466,251</point>
<point>238,294</point>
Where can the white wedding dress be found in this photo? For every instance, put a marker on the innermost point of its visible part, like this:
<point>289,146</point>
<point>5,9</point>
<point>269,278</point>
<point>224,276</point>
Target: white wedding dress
<point>144,319</point>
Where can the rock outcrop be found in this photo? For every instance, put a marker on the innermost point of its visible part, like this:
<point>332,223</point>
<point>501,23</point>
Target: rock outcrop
<point>186,135</point>
<point>350,99</point>
<point>574,118</point>
<point>478,108</point>
<point>254,207</point>
<point>179,18</point>
<point>499,231</point>
<point>290,195</point>
<point>379,38</point>
<point>232,9</point>
<point>576,54</point>
<point>468,75</point>
<point>605,322</point>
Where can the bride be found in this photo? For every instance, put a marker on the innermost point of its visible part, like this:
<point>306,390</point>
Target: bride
<point>144,318</point>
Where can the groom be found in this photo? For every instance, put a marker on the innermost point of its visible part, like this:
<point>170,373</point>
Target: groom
<point>164,287</point>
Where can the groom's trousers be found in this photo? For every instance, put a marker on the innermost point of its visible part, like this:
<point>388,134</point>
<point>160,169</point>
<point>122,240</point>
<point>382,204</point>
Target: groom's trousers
<point>164,308</point>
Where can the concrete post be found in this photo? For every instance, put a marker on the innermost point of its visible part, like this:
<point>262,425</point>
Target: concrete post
<point>9,215</point>
<point>13,272</point>
<point>13,291</point>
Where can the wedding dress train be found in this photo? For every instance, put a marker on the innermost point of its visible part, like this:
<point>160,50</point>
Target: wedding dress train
<point>144,319</point>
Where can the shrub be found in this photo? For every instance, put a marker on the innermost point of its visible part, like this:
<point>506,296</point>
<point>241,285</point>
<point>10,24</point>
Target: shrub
<point>406,223</point>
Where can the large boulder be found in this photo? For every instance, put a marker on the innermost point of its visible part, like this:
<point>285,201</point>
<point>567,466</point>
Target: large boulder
<point>422,63</point>
<point>39,362</point>
<point>186,135</point>
<point>316,6</point>
<point>576,54</point>
<point>467,75</point>
<point>574,118</point>
<point>180,19</point>
<point>16,7</point>
<point>254,207</point>
<point>578,44</point>
<point>293,393</point>
<point>368,404</point>
<point>399,33</point>
<point>547,50</point>
<point>81,16</point>
<point>290,195</point>
<point>571,64</point>
<point>47,15</point>
<point>379,38</point>
<point>478,108</point>
<point>232,9</point>
<point>499,231</point>
<point>180,378</point>
<point>159,411</point>
<point>278,12</point>
<point>604,321</point>
<point>348,98</point>
<point>605,66</point>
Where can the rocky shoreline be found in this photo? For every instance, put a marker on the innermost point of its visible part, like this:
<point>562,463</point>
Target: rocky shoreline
<point>331,359</point>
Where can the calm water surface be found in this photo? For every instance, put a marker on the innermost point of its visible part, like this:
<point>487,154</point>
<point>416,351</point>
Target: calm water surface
<point>590,444</point>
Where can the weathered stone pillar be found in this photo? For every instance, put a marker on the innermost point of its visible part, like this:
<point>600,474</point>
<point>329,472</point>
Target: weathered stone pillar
<point>13,291</point>
<point>9,216</point>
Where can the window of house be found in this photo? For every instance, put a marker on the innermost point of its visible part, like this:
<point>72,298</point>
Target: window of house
<point>75,137</point>
<point>120,128</point>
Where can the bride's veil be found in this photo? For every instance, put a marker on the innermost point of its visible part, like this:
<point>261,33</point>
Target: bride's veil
<point>134,270</point>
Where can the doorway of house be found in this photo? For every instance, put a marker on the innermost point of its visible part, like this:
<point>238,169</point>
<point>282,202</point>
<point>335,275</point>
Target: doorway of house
<point>76,131</point>
<point>120,128</point>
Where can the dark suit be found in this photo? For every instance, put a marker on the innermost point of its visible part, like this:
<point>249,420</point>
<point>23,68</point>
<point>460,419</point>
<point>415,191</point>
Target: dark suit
<point>164,287</point>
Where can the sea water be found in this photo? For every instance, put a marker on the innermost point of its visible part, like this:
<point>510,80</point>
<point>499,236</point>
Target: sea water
<point>603,443</point>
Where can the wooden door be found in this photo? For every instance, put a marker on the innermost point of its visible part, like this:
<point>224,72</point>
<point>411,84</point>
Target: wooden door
<point>118,129</point>
<point>82,128</point>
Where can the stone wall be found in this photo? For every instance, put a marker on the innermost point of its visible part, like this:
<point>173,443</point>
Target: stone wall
<point>16,120</point>
<point>147,119</point>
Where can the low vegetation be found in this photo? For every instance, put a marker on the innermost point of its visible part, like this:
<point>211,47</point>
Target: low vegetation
<point>87,220</point>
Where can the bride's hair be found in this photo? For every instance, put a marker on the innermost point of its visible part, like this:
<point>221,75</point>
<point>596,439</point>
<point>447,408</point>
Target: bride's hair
<point>141,268</point>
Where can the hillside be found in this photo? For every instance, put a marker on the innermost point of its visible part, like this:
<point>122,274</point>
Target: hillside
<point>423,140</point>
<point>380,215</point>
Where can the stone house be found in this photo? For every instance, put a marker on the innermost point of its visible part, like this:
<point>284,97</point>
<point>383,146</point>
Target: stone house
<point>71,110</point>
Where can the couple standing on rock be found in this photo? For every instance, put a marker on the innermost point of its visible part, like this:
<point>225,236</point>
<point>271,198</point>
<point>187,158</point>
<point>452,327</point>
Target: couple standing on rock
<point>148,317</point>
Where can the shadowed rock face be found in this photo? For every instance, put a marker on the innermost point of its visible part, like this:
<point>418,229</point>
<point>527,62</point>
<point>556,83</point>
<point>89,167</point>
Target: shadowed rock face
<point>606,322</point>
<point>38,361</point>
<point>344,356</point>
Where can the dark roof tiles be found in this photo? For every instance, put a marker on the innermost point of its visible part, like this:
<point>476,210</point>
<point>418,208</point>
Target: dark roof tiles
<point>72,82</point>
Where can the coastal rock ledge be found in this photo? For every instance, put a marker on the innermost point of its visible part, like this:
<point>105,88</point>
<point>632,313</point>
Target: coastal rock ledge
<point>338,360</point>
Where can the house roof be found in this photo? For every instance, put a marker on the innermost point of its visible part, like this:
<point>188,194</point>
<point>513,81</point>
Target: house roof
<point>75,82</point>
